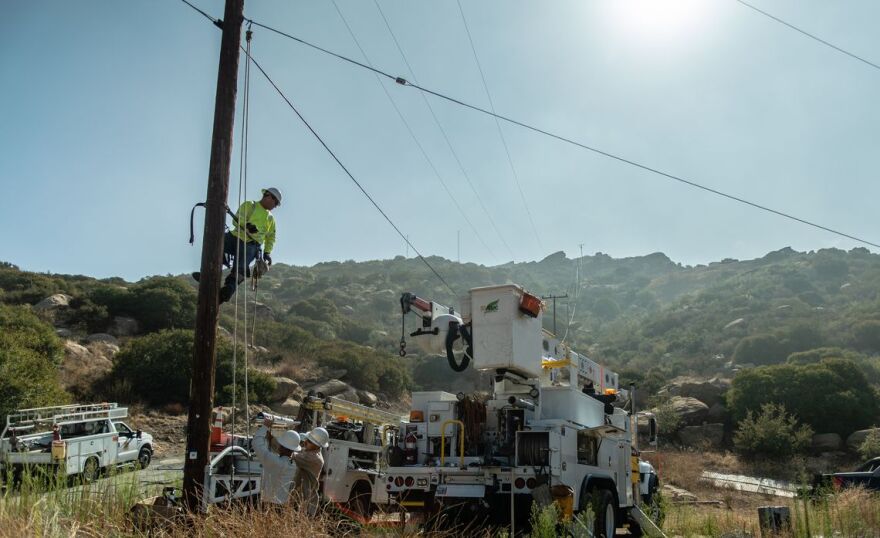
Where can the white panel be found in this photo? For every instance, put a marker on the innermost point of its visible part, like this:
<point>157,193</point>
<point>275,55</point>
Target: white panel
<point>565,404</point>
<point>503,336</point>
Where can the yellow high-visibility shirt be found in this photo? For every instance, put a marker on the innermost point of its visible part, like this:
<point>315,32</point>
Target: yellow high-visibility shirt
<point>254,213</point>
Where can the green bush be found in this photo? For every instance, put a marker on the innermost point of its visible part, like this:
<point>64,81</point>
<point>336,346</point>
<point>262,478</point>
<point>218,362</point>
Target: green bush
<point>771,433</point>
<point>157,369</point>
<point>29,357</point>
<point>163,303</point>
<point>870,447</point>
<point>831,396</point>
<point>866,335</point>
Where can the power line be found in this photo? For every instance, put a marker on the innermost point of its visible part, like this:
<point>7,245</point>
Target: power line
<point>412,133</point>
<point>808,34</point>
<point>349,174</point>
<point>445,136</point>
<point>403,82</point>
<point>498,126</point>
<point>217,22</point>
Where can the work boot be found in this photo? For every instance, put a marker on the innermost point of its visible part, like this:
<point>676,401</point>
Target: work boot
<point>225,294</point>
<point>196,276</point>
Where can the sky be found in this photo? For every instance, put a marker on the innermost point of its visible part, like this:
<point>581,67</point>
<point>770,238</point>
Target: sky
<point>107,106</point>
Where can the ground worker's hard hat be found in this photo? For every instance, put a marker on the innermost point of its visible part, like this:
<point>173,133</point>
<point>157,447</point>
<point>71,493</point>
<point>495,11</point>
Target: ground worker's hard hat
<point>319,436</point>
<point>275,194</point>
<point>289,440</point>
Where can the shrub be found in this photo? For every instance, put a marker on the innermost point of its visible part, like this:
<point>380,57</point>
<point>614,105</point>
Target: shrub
<point>831,396</point>
<point>29,355</point>
<point>158,369</point>
<point>870,447</point>
<point>163,303</point>
<point>771,433</point>
<point>866,335</point>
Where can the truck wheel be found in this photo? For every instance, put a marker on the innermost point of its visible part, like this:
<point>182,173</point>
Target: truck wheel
<point>359,500</point>
<point>144,458</point>
<point>606,513</point>
<point>91,470</point>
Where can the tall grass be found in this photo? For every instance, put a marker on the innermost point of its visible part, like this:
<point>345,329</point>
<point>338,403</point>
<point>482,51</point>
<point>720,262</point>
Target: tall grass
<point>852,512</point>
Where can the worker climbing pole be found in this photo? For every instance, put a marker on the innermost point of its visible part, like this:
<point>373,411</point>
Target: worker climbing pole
<point>204,354</point>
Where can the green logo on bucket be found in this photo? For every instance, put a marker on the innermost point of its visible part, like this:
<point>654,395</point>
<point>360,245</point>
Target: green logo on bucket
<point>491,307</point>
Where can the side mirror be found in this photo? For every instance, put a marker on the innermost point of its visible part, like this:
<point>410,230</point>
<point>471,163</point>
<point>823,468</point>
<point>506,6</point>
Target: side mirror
<point>139,434</point>
<point>652,431</point>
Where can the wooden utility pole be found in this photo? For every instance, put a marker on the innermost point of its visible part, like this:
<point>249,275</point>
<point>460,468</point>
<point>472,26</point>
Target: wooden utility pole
<point>554,297</point>
<point>204,357</point>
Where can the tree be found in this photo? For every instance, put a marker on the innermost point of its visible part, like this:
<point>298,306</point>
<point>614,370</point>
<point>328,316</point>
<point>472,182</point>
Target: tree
<point>29,357</point>
<point>163,303</point>
<point>759,349</point>
<point>771,432</point>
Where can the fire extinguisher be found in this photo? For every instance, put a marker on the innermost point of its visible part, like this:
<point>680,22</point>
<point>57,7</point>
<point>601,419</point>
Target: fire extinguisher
<point>410,447</point>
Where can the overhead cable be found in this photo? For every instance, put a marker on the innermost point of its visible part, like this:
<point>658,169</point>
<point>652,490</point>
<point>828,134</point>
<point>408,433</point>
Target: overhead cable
<point>808,34</point>
<point>403,82</point>
<point>413,135</point>
<point>498,126</point>
<point>461,167</point>
<point>350,176</point>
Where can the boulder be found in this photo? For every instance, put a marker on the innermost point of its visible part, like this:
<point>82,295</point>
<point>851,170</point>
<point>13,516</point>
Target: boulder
<point>224,332</point>
<point>81,367</point>
<point>677,494</point>
<point>331,387</point>
<point>734,323</point>
<point>349,395</point>
<point>367,398</point>
<point>708,391</point>
<point>104,349</point>
<point>717,413</point>
<point>124,326</point>
<point>691,410</point>
<point>63,332</point>
<point>347,310</point>
<point>826,442</point>
<point>102,337</point>
<point>54,302</point>
<point>855,439</point>
<point>284,388</point>
<point>288,407</point>
<point>703,436</point>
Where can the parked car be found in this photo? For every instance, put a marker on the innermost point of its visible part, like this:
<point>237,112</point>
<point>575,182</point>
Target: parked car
<point>866,475</point>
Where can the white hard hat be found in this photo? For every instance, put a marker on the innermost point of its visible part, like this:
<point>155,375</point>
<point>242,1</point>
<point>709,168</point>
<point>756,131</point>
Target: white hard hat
<point>274,192</point>
<point>289,440</point>
<point>319,436</point>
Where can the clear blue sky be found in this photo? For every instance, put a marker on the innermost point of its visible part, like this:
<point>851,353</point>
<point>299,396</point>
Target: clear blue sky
<point>107,108</point>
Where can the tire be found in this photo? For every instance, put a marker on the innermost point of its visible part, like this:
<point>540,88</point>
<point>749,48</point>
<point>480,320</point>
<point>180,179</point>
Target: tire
<point>606,513</point>
<point>359,500</point>
<point>91,470</point>
<point>145,456</point>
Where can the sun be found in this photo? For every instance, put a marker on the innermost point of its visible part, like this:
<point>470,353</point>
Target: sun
<point>657,20</point>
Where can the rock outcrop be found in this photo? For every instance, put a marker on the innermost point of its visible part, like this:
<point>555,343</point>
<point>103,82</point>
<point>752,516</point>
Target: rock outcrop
<point>826,442</point>
<point>703,436</point>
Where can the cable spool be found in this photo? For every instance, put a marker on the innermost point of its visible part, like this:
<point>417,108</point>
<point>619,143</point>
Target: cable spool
<point>533,449</point>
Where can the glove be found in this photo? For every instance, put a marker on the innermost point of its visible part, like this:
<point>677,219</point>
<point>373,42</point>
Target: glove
<point>267,258</point>
<point>251,228</point>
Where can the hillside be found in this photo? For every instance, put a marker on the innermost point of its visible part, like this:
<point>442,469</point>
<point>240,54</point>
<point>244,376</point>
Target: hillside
<point>648,317</point>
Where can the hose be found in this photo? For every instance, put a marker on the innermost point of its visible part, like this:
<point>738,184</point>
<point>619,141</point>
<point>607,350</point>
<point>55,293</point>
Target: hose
<point>455,329</point>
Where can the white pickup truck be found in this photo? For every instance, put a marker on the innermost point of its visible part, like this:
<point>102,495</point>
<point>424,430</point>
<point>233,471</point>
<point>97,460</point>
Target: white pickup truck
<point>71,440</point>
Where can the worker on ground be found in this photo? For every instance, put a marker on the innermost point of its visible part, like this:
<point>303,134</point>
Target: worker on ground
<point>254,228</point>
<point>279,470</point>
<point>309,463</point>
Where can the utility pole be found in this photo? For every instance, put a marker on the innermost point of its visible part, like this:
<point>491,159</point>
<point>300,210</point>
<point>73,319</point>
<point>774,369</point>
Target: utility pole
<point>554,297</point>
<point>204,355</point>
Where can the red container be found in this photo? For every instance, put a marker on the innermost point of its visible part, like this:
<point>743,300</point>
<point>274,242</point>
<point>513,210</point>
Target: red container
<point>530,305</point>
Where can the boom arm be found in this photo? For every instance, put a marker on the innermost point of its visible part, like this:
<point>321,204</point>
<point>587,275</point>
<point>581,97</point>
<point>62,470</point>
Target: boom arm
<point>441,327</point>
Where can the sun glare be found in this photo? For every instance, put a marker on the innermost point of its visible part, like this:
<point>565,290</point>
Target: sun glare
<point>657,20</point>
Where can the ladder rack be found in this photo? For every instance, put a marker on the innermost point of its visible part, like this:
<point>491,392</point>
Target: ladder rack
<point>64,414</point>
<point>339,407</point>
